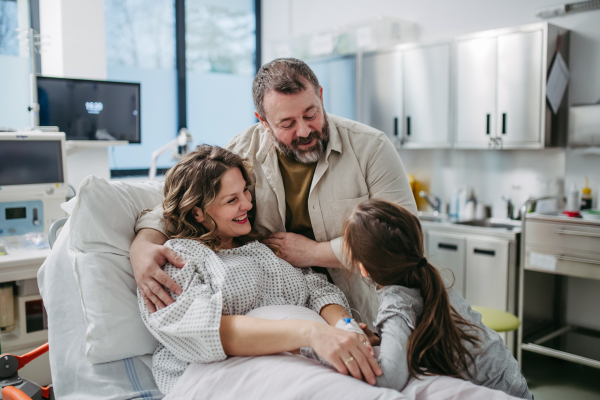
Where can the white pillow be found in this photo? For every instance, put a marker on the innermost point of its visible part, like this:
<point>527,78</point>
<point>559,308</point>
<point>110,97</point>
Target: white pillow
<point>285,312</point>
<point>100,234</point>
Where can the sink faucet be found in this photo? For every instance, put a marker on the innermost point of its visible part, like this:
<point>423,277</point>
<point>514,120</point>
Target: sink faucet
<point>434,201</point>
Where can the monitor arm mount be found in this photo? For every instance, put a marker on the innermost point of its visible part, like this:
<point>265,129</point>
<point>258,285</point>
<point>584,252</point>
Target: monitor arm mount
<point>180,144</point>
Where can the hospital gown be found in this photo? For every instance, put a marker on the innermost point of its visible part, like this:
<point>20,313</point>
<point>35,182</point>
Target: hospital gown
<point>230,282</point>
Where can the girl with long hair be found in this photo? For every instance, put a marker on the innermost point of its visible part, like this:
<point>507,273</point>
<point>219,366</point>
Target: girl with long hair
<point>425,327</point>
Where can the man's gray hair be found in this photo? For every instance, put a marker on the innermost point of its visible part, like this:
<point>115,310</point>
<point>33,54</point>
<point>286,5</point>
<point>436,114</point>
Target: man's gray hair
<point>284,75</point>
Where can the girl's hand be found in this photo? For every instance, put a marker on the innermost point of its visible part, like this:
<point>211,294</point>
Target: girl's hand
<point>346,351</point>
<point>374,340</point>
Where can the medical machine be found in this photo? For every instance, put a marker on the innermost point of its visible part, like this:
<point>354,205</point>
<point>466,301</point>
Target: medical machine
<point>33,181</point>
<point>90,110</point>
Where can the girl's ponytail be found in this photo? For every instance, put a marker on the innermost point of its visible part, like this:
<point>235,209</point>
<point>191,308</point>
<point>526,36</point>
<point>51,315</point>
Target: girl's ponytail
<point>388,241</point>
<point>436,347</point>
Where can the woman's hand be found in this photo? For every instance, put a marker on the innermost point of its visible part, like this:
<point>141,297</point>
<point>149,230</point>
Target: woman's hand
<point>374,340</point>
<point>147,255</point>
<point>348,352</point>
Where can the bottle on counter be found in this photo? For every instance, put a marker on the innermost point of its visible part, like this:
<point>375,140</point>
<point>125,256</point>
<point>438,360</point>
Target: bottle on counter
<point>586,196</point>
<point>573,202</point>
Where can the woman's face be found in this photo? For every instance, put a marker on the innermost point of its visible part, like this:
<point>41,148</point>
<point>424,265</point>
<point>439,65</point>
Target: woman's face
<point>230,208</point>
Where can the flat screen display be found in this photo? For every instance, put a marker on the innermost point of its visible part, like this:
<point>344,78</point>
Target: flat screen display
<point>26,162</point>
<point>90,110</point>
<point>16,213</point>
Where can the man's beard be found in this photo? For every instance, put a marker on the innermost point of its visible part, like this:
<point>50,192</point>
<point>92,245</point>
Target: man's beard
<point>307,156</point>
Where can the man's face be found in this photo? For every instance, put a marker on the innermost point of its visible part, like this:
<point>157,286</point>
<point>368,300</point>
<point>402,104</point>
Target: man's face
<point>298,123</point>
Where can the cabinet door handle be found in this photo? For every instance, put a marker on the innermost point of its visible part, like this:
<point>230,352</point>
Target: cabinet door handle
<point>395,126</point>
<point>577,259</point>
<point>485,252</point>
<point>447,246</point>
<point>504,123</point>
<point>577,233</point>
<point>488,120</point>
<point>407,126</point>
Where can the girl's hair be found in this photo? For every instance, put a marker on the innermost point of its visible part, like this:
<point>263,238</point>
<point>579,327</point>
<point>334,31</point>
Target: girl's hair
<point>196,181</point>
<point>388,240</point>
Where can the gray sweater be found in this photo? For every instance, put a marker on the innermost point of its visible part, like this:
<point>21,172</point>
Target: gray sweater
<point>399,312</point>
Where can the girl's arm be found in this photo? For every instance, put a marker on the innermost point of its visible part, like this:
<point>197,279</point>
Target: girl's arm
<point>394,334</point>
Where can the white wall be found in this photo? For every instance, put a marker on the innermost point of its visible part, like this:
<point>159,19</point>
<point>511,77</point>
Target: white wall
<point>493,173</point>
<point>75,31</point>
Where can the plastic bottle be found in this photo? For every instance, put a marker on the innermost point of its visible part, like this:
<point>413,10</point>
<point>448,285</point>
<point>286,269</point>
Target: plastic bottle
<point>586,196</point>
<point>573,203</point>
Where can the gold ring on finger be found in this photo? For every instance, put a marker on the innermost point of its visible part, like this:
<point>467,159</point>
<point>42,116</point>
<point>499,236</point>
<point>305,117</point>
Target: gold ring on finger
<point>349,360</point>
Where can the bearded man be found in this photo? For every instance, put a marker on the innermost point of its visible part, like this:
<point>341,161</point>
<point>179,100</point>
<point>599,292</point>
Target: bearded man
<point>311,170</point>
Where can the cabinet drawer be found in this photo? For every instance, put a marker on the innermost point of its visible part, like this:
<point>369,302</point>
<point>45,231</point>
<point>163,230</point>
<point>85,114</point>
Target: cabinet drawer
<point>447,252</point>
<point>565,236</point>
<point>487,273</point>
<point>559,261</point>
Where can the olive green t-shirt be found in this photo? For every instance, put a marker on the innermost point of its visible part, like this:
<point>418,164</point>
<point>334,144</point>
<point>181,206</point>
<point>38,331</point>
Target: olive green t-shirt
<point>297,178</point>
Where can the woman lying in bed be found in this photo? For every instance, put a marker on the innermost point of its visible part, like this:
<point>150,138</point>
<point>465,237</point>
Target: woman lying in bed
<point>230,273</point>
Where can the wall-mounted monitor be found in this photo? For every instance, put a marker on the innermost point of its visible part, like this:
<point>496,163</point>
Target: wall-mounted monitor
<point>90,110</point>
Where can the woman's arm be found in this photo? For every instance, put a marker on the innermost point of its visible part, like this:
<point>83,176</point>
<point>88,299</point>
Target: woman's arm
<point>246,336</point>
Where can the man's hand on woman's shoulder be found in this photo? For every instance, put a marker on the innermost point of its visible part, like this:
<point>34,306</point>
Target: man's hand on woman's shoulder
<point>148,255</point>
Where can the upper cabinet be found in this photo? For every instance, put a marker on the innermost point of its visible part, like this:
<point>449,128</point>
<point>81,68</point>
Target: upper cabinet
<point>475,91</point>
<point>500,89</point>
<point>427,96</point>
<point>337,76</point>
<point>406,94</point>
<point>382,105</point>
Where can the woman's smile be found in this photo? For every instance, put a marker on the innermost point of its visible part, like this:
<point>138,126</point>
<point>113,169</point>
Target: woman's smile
<point>242,219</point>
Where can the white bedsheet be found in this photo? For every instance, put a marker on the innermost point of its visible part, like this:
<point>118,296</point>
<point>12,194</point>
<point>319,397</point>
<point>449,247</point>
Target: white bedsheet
<point>287,376</point>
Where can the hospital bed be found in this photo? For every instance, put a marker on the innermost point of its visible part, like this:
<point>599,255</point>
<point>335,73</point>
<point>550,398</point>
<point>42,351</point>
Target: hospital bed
<point>278,376</point>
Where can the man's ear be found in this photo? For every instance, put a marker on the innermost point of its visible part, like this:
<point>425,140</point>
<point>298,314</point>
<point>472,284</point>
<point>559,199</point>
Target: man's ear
<point>363,271</point>
<point>262,121</point>
<point>198,214</point>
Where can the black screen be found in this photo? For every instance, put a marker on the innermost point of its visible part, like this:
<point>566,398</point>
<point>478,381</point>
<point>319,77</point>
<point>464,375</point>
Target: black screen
<point>16,213</point>
<point>90,110</point>
<point>25,162</point>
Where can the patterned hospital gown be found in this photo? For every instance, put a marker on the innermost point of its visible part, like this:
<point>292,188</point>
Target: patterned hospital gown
<point>230,282</point>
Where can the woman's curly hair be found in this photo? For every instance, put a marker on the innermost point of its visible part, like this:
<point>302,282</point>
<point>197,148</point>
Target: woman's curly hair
<point>195,181</point>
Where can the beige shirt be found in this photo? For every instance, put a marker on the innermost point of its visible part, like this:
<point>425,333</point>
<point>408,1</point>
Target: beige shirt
<point>359,163</point>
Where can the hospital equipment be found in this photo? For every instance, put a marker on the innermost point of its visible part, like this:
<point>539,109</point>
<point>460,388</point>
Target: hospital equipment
<point>33,181</point>
<point>180,144</point>
<point>90,109</point>
<point>34,42</point>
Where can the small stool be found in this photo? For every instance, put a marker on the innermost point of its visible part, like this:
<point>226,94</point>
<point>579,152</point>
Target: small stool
<point>499,321</point>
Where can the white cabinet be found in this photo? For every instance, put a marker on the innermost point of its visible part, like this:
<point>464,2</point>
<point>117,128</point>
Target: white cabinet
<point>406,94</point>
<point>447,253</point>
<point>487,273</point>
<point>427,96</point>
<point>475,91</point>
<point>382,93</point>
<point>338,80</point>
<point>500,89</point>
<point>519,87</point>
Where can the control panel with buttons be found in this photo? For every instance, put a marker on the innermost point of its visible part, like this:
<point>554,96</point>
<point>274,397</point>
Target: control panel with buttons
<point>21,217</point>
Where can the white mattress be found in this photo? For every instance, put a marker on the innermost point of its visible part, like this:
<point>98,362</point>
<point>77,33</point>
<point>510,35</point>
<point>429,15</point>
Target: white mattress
<point>281,376</point>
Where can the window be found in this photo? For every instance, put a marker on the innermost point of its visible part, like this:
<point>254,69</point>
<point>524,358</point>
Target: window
<point>140,47</point>
<point>220,56</point>
<point>14,65</point>
<point>220,53</point>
